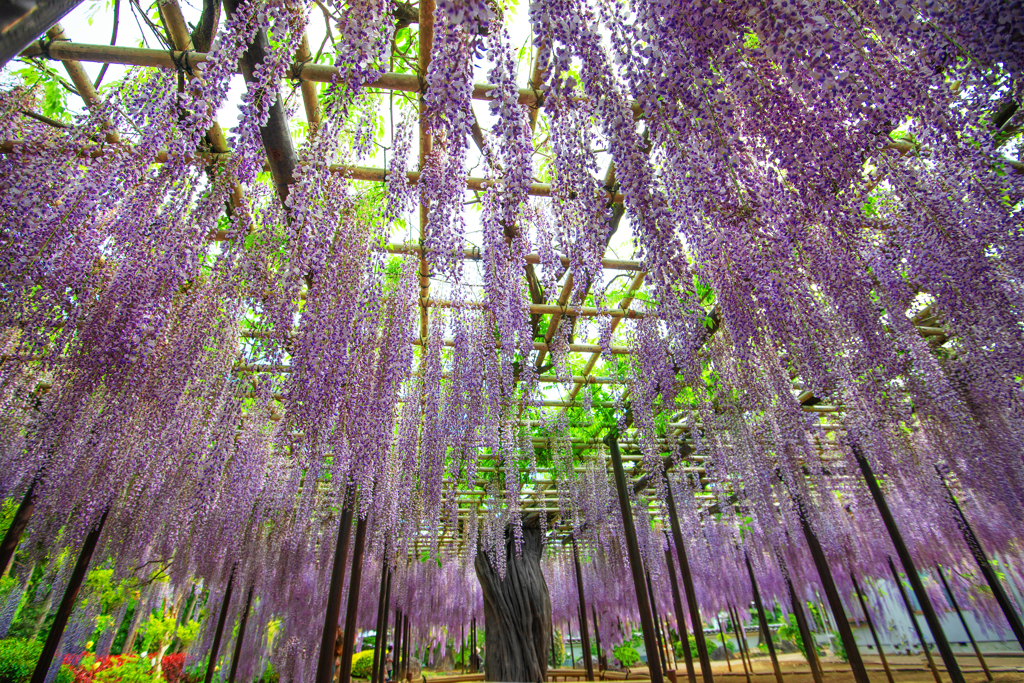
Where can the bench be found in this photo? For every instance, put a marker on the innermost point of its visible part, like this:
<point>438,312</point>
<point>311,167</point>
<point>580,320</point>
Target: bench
<point>457,678</point>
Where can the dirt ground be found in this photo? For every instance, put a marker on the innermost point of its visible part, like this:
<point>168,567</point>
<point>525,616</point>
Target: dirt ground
<point>905,670</point>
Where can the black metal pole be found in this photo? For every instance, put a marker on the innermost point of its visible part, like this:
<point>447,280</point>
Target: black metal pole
<point>554,653</point>
<point>584,632</point>
<point>406,643</point>
<point>986,568</point>
<point>654,616</point>
<point>744,647</point>
<point>597,638</point>
<point>677,602</point>
<point>970,636</point>
<point>380,618</point>
<point>17,527</point>
<point>871,627</point>
<point>396,665</point>
<point>352,612</point>
<point>325,662</point>
<point>725,645</point>
<point>736,629</point>
<point>67,602</point>
<point>913,620</point>
<point>241,635</point>
<point>805,632</point>
<point>572,652</point>
<point>635,561</point>
<point>219,633</point>
<point>835,602</point>
<point>763,619</point>
<point>952,667</point>
<point>382,671</point>
<point>691,595</point>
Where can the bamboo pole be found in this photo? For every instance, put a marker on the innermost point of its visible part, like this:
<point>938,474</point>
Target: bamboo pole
<point>970,636</point>
<point>871,627</point>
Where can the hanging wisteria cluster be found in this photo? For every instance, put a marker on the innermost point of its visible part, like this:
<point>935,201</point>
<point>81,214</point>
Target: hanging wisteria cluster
<point>825,202</point>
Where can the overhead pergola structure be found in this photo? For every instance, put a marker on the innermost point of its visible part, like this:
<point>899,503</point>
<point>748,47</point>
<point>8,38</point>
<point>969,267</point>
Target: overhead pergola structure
<point>549,311</point>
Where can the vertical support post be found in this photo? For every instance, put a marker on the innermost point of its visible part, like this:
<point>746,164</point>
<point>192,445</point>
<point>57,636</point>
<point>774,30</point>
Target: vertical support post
<point>597,635</point>
<point>635,561</point>
<point>377,648</point>
<point>67,602</point>
<point>584,632</point>
<point>554,653</point>
<point>396,665</point>
<point>744,647</point>
<point>913,620</point>
<point>657,629</point>
<point>763,621</point>
<point>352,612</point>
<point>406,644</point>
<point>219,633</point>
<point>382,671</point>
<point>835,602</point>
<point>725,645</point>
<point>572,652</point>
<point>17,527</point>
<point>325,662</point>
<point>805,632</point>
<point>462,641</point>
<point>871,627</point>
<point>952,667</point>
<point>985,565</point>
<point>241,635</point>
<point>474,660</point>
<point>670,651</point>
<point>739,641</point>
<point>691,596</point>
<point>677,602</point>
<point>970,636</point>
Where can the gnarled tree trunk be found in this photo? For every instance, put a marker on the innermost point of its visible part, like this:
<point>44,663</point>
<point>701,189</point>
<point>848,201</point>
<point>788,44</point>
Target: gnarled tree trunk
<point>517,610</point>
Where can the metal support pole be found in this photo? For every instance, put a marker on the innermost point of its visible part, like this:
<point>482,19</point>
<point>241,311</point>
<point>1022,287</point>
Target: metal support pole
<point>597,638</point>
<point>635,561</point>
<point>351,613</point>
<point>871,627</point>
<point>396,665</point>
<point>241,635</point>
<point>952,667</point>
<point>584,633</point>
<point>657,629</point>
<point>377,639</point>
<point>970,636</point>
<point>325,662</point>
<point>739,641</point>
<point>725,645</point>
<point>764,621</point>
<point>677,602</point>
<point>691,596</point>
<point>382,671</point>
<point>805,632</point>
<point>913,620</point>
<point>986,568</point>
<point>67,603</point>
<point>218,634</point>
<point>17,527</point>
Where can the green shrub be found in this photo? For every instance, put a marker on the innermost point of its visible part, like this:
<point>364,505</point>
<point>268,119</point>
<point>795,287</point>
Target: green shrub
<point>362,664</point>
<point>627,655</point>
<point>838,647</point>
<point>678,648</point>
<point>18,657</point>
